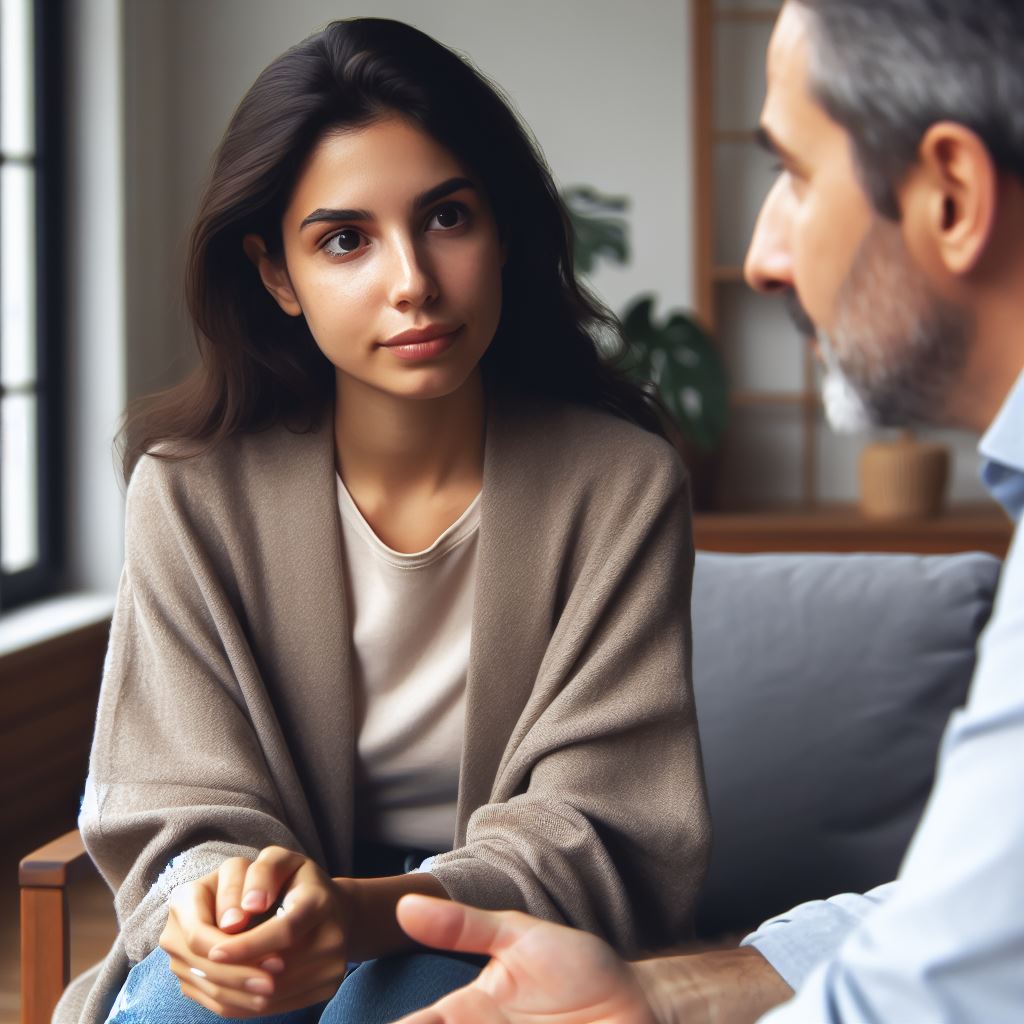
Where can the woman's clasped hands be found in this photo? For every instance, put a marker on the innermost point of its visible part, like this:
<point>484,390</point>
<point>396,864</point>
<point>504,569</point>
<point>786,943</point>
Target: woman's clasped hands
<point>296,957</point>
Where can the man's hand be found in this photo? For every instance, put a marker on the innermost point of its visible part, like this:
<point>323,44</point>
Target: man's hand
<point>542,973</point>
<point>539,973</point>
<point>296,958</point>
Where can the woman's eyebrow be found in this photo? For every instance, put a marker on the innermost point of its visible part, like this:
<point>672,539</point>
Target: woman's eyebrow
<point>446,188</point>
<point>323,214</point>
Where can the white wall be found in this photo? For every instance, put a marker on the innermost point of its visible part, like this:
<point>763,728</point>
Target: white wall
<point>97,386</point>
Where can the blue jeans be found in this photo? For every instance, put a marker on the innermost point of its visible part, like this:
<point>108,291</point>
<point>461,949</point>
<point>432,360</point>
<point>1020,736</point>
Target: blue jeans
<point>376,992</point>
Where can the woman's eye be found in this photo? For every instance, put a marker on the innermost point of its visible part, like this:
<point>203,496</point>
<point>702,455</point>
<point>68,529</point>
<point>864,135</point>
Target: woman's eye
<point>446,217</point>
<point>343,243</point>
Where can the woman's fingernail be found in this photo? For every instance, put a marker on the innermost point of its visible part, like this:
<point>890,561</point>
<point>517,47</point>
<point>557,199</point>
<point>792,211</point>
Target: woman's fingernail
<point>273,964</point>
<point>261,986</point>
<point>197,972</point>
<point>217,955</point>
<point>232,917</point>
<point>254,899</point>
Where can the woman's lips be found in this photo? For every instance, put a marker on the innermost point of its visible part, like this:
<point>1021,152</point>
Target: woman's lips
<point>427,348</point>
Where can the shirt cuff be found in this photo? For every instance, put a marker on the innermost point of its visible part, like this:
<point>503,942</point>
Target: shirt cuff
<point>795,942</point>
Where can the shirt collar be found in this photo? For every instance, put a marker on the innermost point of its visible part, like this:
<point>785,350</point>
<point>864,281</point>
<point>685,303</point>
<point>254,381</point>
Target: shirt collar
<point>1002,448</point>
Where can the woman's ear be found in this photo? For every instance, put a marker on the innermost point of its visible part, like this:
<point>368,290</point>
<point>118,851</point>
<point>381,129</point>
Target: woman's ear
<point>273,274</point>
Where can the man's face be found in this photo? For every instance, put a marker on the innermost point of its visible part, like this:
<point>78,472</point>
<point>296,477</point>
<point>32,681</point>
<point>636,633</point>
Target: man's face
<point>891,347</point>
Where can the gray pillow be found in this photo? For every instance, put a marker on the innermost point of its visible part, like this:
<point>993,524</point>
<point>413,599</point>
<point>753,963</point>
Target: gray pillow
<point>823,684</point>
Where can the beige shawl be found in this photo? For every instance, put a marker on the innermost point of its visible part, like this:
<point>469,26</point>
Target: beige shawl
<point>225,721</point>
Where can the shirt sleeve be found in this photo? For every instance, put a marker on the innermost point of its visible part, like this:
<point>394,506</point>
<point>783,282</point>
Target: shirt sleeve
<point>795,942</point>
<point>947,945</point>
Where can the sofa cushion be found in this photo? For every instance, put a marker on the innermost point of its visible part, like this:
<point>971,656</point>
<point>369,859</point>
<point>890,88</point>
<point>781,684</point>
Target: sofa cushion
<point>823,684</point>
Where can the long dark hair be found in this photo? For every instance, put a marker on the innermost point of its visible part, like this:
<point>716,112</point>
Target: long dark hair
<point>260,367</point>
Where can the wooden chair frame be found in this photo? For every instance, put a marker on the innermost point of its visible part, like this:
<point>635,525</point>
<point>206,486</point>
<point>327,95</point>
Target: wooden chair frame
<point>44,877</point>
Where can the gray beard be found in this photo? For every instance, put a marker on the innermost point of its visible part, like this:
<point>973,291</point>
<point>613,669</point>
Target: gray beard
<point>897,349</point>
<point>845,409</point>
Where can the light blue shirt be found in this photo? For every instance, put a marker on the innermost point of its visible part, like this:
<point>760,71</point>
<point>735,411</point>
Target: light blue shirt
<point>944,943</point>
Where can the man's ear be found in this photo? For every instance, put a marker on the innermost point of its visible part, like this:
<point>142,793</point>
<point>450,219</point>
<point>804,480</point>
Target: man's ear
<point>273,274</point>
<point>953,194</point>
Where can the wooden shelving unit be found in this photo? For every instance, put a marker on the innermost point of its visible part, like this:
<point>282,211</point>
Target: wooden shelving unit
<point>715,278</point>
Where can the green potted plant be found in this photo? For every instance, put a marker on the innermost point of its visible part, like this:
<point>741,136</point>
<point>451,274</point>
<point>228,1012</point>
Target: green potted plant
<point>674,355</point>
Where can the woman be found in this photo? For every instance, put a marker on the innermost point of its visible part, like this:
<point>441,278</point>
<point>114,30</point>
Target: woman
<point>407,571</point>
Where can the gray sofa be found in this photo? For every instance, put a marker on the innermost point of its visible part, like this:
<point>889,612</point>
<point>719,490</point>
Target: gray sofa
<point>823,685</point>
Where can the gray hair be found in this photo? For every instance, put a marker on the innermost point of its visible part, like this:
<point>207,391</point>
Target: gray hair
<point>886,70</point>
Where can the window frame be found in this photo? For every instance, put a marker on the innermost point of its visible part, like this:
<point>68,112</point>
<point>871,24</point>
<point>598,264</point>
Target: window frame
<point>47,575</point>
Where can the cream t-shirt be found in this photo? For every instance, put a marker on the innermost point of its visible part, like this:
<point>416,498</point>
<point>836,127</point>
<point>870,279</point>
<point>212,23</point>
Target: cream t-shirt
<point>411,622</point>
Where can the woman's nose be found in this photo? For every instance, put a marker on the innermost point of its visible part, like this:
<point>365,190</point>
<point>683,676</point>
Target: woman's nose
<point>413,282</point>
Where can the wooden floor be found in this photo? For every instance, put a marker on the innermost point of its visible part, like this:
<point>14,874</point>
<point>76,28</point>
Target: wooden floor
<point>92,931</point>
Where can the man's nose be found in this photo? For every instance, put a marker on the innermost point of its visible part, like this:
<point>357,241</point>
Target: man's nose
<point>769,265</point>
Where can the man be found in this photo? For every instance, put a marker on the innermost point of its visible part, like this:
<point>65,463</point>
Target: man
<point>895,230</point>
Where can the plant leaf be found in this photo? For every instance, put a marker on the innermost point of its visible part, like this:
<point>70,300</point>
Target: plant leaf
<point>598,233</point>
<point>684,364</point>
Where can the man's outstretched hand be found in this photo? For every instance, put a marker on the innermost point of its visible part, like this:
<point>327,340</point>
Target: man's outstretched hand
<point>539,973</point>
<point>542,973</point>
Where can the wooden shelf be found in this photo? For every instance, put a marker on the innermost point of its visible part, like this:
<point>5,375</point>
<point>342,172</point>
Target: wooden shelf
<point>754,399</point>
<point>982,527</point>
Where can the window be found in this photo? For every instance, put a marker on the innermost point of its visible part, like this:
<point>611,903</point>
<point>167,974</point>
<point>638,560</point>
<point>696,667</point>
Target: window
<point>31,299</point>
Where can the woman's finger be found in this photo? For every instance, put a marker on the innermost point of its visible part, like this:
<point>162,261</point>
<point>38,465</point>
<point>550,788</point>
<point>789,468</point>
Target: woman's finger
<point>319,993</point>
<point>267,876</point>
<point>224,977</point>
<point>304,908</point>
<point>199,991</point>
<point>311,978</point>
<point>193,907</point>
<point>230,915</point>
<point>187,966</point>
<point>316,962</point>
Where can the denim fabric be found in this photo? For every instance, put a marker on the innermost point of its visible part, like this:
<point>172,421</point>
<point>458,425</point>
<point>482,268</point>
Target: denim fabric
<point>376,992</point>
<point>381,991</point>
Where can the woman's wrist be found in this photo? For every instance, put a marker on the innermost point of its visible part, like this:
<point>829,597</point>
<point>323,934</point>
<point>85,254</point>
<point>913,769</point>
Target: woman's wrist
<point>370,903</point>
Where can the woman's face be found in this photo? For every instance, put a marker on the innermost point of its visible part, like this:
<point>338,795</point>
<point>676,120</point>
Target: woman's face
<point>391,253</point>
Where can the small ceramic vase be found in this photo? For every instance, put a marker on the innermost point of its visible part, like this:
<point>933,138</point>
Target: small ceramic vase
<point>903,479</point>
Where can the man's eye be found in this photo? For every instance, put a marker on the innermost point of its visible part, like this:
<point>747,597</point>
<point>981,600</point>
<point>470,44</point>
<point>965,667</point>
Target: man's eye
<point>451,215</point>
<point>343,243</point>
